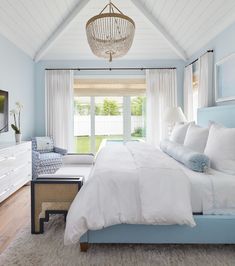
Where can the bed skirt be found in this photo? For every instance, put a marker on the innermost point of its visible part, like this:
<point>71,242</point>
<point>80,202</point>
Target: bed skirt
<point>210,229</point>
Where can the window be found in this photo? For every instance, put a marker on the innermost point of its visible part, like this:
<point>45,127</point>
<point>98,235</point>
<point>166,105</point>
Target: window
<point>82,124</point>
<point>138,123</point>
<point>108,119</point>
<point>99,117</point>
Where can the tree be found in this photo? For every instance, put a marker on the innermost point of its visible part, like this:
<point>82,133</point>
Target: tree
<point>137,106</point>
<point>81,108</point>
<point>76,107</point>
<point>98,109</point>
<point>110,107</point>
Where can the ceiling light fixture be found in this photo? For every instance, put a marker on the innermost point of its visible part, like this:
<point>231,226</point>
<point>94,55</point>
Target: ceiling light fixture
<point>110,34</point>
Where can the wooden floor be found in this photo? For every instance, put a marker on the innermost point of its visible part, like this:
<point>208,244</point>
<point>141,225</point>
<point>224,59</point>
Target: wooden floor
<point>14,214</point>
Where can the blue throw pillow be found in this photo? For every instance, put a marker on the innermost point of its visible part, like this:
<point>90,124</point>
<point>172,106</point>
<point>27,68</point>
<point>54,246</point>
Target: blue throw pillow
<point>193,160</point>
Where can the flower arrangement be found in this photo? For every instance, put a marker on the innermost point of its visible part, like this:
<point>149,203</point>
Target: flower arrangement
<point>16,115</point>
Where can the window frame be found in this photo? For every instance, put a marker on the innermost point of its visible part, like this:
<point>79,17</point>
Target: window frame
<point>126,114</point>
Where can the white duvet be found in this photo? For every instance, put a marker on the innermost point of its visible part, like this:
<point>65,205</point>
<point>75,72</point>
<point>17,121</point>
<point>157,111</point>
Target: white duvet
<point>134,184</point>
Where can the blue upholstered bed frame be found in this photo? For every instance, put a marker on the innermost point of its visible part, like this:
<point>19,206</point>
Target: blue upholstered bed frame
<point>210,229</point>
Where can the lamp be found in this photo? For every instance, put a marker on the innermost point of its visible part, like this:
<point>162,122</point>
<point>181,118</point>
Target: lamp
<point>110,33</point>
<point>174,115</point>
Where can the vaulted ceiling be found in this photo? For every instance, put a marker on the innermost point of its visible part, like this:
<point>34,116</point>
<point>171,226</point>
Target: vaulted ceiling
<point>165,29</point>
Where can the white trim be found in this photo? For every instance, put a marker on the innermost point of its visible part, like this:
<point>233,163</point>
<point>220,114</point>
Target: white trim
<point>159,27</point>
<point>222,99</point>
<point>60,29</point>
<point>225,99</point>
<point>224,59</point>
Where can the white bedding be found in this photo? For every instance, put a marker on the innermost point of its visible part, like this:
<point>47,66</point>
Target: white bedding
<point>124,188</point>
<point>132,184</point>
<point>212,192</point>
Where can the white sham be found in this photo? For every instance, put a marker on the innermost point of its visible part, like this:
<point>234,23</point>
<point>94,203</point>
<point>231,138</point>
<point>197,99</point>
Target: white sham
<point>220,148</point>
<point>196,138</point>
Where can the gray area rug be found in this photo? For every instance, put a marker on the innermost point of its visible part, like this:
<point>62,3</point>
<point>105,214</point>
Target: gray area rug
<point>48,249</point>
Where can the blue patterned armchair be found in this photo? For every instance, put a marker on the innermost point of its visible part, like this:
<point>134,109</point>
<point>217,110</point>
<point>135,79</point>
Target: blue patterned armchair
<point>46,158</point>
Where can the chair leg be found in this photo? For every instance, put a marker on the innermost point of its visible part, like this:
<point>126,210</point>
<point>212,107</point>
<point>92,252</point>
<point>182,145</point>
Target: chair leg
<point>84,247</point>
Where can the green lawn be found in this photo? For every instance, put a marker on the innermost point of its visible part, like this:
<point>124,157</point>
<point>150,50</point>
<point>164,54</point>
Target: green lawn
<point>82,143</point>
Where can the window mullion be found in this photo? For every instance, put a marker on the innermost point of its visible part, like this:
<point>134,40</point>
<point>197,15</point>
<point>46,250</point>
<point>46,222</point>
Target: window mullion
<point>126,118</point>
<point>92,111</point>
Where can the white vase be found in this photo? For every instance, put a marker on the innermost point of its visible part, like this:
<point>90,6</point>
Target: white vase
<point>18,138</point>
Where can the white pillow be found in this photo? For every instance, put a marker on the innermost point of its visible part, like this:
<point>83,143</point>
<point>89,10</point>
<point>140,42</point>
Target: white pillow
<point>220,148</point>
<point>178,133</point>
<point>196,138</point>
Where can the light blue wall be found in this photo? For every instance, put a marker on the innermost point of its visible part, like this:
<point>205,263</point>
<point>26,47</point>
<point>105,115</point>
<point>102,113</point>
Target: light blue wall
<point>17,77</point>
<point>40,79</point>
<point>223,45</point>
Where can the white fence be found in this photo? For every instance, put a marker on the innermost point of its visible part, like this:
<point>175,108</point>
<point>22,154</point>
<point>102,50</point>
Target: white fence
<point>104,125</point>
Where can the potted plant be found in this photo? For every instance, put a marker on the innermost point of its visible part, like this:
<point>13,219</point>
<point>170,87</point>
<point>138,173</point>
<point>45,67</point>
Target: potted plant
<point>16,125</point>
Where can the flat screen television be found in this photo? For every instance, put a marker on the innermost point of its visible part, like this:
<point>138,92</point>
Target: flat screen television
<point>3,111</point>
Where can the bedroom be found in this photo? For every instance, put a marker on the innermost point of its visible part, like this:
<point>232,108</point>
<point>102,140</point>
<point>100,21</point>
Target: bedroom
<point>106,141</point>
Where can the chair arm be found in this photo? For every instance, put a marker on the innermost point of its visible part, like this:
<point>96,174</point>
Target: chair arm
<point>35,155</point>
<point>60,150</point>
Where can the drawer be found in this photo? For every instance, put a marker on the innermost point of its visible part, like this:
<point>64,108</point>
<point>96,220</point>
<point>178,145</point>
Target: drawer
<point>11,160</point>
<point>20,173</point>
<point>22,158</point>
<point>20,183</point>
<point>5,193</point>
<point>15,151</point>
<point>15,168</point>
<point>26,147</point>
<point>5,182</point>
<point>4,153</point>
<point>7,165</point>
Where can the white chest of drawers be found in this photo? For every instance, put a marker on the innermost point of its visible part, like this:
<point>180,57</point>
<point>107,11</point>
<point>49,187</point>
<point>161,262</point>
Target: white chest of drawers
<point>15,167</point>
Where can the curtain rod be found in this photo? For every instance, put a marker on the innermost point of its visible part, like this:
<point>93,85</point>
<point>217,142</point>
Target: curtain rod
<point>112,68</point>
<point>208,51</point>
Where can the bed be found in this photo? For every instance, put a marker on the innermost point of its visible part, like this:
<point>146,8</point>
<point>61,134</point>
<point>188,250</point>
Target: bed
<point>210,228</point>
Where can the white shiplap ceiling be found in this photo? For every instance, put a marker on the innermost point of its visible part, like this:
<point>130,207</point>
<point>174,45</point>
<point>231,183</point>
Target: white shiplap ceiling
<point>29,23</point>
<point>193,23</point>
<point>165,29</point>
<point>73,43</point>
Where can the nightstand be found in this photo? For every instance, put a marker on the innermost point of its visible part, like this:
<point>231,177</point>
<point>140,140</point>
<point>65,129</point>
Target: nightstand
<point>51,196</point>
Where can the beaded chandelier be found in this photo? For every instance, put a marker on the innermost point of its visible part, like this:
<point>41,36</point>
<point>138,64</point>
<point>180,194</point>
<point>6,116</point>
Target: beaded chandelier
<point>110,34</point>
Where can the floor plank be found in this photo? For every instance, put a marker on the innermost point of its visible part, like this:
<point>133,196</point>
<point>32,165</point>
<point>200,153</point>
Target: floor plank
<point>14,215</point>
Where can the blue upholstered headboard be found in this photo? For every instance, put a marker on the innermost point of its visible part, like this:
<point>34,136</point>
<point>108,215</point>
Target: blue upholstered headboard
<point>224,115</point>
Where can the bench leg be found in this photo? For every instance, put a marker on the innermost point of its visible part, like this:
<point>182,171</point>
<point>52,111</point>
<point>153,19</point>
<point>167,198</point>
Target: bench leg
<point>84,247</point>
<point>65,217</point>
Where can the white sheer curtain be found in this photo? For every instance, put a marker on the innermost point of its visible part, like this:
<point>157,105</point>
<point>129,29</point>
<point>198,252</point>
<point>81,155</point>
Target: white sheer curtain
<point>59,107</point>
<point>205,90</point>
<point>188,92</point>
<point>161,93</point>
